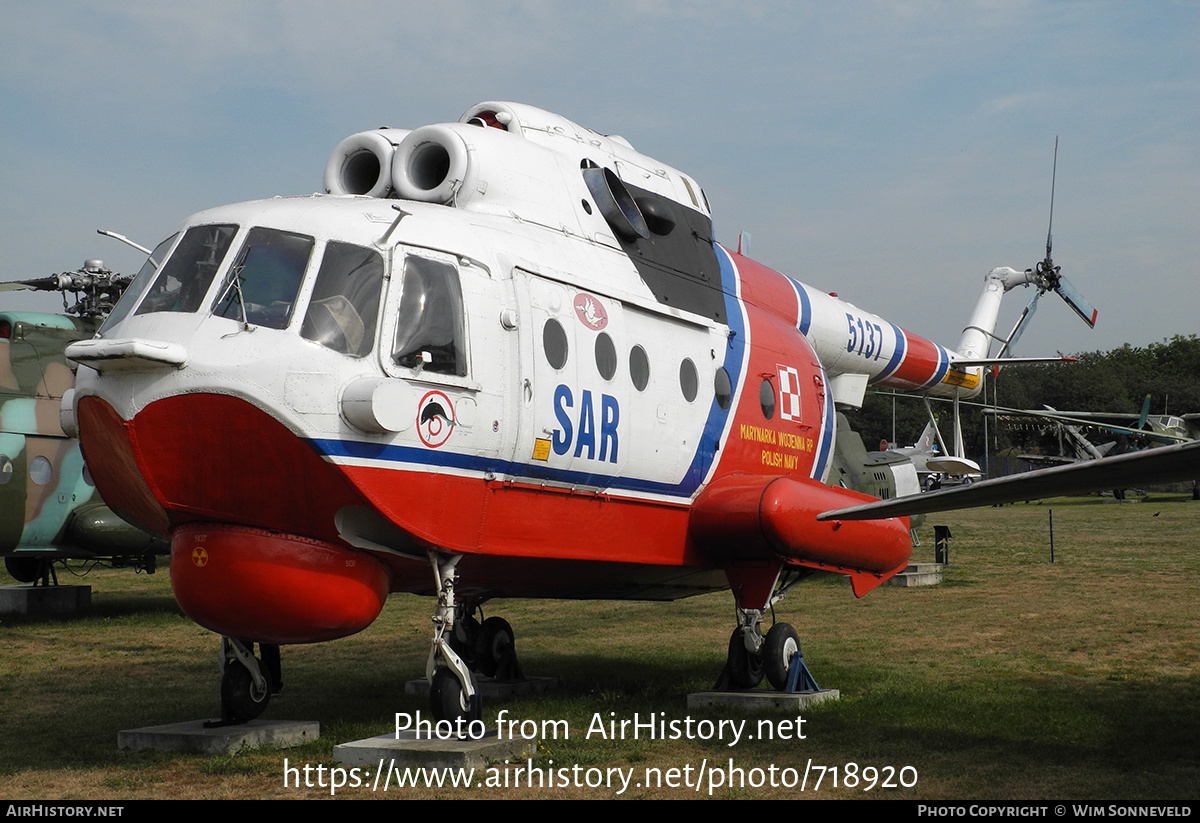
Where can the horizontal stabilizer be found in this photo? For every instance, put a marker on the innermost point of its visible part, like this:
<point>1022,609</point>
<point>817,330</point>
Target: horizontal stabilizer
<point>1166,464</point>
<point>1007,361</point>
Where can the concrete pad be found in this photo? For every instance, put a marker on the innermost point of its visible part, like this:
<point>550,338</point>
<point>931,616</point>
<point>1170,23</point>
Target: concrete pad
<point>410,750</point>
<point>45,601</point>
<point>917,574</point>
<point>191,736</point>
<point>491,689</point>
<point>752,699</point>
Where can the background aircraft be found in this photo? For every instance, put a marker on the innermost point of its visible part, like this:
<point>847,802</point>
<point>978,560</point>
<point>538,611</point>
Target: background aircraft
<point>49,507</point>
<point>502,357</point>
<point>1149,431</point>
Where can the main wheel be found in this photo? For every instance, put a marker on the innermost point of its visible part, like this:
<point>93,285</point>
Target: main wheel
<point>240,700</point>
<point>745,668</point>
<point>494,644</point>
<point>782,642</point>
<point>447,700</point>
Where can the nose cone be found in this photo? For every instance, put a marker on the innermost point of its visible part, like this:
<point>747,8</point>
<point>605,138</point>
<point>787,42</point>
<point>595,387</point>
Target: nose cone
<point>213,458</point>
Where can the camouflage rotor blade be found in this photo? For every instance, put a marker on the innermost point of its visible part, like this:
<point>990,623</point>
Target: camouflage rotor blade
<point>38,284</point>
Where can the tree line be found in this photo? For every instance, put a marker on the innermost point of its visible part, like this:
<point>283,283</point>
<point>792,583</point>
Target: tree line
<point>1111,381</point>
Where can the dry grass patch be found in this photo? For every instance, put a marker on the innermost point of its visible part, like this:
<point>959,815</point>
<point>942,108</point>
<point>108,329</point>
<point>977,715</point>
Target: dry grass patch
<point>1014,679</point>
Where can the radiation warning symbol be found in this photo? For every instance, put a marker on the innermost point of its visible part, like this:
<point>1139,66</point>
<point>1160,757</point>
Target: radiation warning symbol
<point>435,419</point>
<point>200,557</point>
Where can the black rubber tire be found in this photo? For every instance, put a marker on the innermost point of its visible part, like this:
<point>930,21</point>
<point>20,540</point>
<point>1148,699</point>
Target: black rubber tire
<point>745,669</point>
<point>781,643</point>
<point>446,698</point>
<point>495,642</point>
<point>239,700</point>
<point>25,569</point>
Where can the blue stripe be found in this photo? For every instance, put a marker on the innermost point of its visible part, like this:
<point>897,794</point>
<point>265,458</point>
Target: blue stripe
<point>718,418</point>
<point>825,443</point>
<point>942,368</point>
<point>897,355</point>
<point>805,307</point>
<point>413,456</point>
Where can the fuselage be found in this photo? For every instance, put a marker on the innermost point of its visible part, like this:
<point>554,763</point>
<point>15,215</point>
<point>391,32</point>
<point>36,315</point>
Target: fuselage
<point>511,374</point>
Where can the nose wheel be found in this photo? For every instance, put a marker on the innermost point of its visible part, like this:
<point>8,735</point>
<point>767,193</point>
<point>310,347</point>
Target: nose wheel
<point>447,700</point>
<point>452,692</point>
<point>247,682</point>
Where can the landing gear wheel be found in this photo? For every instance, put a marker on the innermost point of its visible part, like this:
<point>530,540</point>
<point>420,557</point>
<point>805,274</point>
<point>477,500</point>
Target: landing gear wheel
<point>494,645</point>
<point>745,668</point>
<point>240,700</point>
<point>25,569</point>
<point>782,642</point>
<point>447,701</point>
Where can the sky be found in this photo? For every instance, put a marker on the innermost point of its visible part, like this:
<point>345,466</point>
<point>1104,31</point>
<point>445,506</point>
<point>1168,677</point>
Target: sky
<point>892,152</point>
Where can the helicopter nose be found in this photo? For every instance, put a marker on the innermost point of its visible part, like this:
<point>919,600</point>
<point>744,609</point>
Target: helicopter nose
<point>108,449</point>
<point>210,457</point>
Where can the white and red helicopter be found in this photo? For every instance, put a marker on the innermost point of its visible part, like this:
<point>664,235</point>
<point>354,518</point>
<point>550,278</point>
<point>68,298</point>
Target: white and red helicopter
<point>502,357</point>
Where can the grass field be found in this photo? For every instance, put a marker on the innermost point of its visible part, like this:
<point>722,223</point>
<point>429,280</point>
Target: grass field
<point>1015,679</point>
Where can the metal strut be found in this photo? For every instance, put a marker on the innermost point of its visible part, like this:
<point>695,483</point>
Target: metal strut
<point>441,654</point>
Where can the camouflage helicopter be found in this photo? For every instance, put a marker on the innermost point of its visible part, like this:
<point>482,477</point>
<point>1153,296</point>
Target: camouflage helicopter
<point>50,510</point>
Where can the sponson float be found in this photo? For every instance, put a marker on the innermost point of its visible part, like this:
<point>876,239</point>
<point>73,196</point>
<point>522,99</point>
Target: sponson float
<point>502,357</point>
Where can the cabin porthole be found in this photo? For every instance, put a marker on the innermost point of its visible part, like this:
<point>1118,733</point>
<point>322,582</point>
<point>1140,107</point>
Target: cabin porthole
<point>689,380</point>
<point>606,356</point>
<point>554,342</point>
<point>723,388</point>
<point>639,368</point>
<point>766,396</point>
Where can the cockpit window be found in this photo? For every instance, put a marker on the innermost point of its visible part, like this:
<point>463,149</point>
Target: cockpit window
<point>345,300</point>
<point>431,318</point>
<point>184,280</point>
<point>263,281</point>
<point>139,283</point>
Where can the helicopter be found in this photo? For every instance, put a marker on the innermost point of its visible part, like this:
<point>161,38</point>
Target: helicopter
<point>502,357</point>
<point>50,511</point>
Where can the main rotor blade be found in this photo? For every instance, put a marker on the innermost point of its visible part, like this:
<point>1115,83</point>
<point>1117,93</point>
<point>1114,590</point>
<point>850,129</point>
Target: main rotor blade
<point>1076,301</point>
<point>37,283</point>
<point>1026,316</point>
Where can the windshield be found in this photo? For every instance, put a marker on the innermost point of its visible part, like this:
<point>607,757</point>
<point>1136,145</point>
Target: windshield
<point>345,300</point>
<point>263,281</point>
<point>182,283</point>
<point>139,283</point>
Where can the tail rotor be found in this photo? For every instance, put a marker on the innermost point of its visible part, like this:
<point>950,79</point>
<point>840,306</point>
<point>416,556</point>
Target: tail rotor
<point>1046,276</point>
